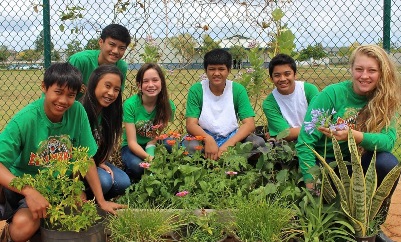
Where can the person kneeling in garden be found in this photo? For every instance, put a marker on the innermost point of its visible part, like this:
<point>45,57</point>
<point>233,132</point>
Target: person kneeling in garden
<point>213,106</point>
<point>367,105</point>
<point>286,106</point>
<point>46,127</point>
<point>146,114</point>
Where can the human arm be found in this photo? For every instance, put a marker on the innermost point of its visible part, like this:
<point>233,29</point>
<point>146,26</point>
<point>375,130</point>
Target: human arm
<point>92,178</point>
<point>133,143</point>
<point>275,120</point>
<point>246,128</point>
<point>211,147</point>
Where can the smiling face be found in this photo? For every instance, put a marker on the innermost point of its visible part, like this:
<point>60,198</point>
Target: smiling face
<point>58,99</point>
<point>107,89</point>
<point>151,84</point>
<point>365,74</point>
<point>283,78</point>
<point>111,50</point>
<point>217,75</point>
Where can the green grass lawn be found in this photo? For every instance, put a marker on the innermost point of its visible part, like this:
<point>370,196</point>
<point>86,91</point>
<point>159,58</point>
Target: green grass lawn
<point>20,87</point>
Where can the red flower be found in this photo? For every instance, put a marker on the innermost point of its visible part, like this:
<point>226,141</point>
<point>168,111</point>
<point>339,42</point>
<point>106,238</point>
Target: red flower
<point>199,138</point>
<point>198,147</point>
<point>162,137</point>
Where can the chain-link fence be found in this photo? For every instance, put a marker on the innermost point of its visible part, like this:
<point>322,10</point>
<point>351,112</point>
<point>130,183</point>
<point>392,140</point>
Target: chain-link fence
<point>322,32</point>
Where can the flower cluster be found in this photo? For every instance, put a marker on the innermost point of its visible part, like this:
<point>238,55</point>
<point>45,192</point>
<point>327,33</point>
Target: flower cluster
<point>323,118</point>
<point>182,193</point>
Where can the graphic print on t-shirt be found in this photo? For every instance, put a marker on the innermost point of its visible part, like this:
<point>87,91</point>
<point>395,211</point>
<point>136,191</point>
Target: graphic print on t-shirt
<point>55,147</point>
<point>145,128</point>
<point>349,117</point>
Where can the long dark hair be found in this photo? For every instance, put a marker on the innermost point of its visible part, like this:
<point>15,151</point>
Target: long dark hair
<point>110,128</point>
<point>163,107</point>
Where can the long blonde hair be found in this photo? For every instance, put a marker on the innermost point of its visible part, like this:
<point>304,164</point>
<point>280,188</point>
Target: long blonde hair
<point>385,100</point>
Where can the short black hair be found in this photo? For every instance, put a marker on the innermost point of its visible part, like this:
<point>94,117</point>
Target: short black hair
<point>282,59</point>
<point>218,57</point>
<point>116,31</point>
<point>63,74</point>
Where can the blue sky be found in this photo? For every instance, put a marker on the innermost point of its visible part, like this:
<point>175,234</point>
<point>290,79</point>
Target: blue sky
<point>334,23</point>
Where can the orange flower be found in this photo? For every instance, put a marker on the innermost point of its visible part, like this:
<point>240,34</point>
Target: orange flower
<point>162,137</point>
<point>189,138</point>
<point>199,147</point>
<point>175,135</point>
<point>199,138</point>
<point>185,153</point>
<point>170,142</point>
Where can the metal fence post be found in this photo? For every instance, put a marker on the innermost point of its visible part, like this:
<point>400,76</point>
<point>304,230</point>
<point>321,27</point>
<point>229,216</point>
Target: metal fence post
<point>386,24</point>
<point>46,33</point>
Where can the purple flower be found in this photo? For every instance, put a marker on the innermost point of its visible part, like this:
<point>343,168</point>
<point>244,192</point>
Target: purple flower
<point>320,118</point>
<point>254,43</point>
<point>249,70</point>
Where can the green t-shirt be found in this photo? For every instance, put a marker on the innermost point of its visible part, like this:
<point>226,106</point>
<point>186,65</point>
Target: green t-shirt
<point>135,112</point>
<point>275,120</point>
<point>87,61</point>
<point>31,133</point>
<point>347,105</point>
<point>242,105</point>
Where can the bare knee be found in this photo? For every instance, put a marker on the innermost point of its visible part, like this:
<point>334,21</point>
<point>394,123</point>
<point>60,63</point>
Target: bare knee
<point>23,226</point>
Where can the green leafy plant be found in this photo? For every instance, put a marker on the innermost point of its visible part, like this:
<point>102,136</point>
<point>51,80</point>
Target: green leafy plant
<point>151,52</point>
<point>60,183</point>
<point>143,225</point>
<point>317,221</point>
<point>360,198</point>
<point>262,220</point>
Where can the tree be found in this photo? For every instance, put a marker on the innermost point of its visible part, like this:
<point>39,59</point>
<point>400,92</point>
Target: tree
<point>4,53</point>
<point>238,53</point>
<point>209,44</point>
<point>93,44</point>
<point>316,52</point>
<point>185,47</point>
<point>29,55</point>
<point>346,51</point>
<point>40,43</point>
<point>73,47</point>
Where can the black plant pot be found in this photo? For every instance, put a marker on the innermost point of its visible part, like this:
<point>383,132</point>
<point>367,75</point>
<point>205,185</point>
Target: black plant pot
<point>92,234</point>
<point>371,238</point>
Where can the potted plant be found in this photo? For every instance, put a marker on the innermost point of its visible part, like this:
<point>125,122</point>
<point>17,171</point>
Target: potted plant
<point>69,217</point>
<point>359,196</point>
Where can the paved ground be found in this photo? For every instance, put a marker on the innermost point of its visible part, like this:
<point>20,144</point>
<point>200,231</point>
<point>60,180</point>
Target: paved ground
<point>392,226</point>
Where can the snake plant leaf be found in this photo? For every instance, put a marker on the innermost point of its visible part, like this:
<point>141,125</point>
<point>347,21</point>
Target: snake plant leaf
<point>335,179</point>
<point>384,190</point>
<point>328,192</point>
<point>357,181</point>
<point>371,183</point>
<point>342,167</point>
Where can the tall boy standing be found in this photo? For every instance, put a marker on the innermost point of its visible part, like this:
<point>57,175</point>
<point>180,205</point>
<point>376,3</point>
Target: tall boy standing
<point>286,106</point>
<point>113,42</point>
<point>50,122</point>
<point>214,104</point>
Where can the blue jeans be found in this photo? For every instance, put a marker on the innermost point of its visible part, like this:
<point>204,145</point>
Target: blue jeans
<point>131,161</point>
<point>112,188</point>
<point>220,140</point>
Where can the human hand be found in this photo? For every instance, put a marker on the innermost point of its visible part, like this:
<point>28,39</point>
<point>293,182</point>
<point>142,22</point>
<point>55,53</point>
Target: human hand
<point>108,170</point>
<point>222,149</point>
<point>211,148</point>
<point>36,202</point>
<point>111,207</point>
<point>338,134</point>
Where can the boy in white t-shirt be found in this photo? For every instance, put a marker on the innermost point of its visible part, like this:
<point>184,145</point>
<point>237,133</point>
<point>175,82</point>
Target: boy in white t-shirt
<point>286,106</point>
<point>214,106</point>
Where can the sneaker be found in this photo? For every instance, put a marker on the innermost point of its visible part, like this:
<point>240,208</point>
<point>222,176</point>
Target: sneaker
<point>381,237</point>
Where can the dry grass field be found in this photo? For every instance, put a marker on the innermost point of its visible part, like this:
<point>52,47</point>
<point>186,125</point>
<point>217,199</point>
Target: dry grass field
<point>20,87</point>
